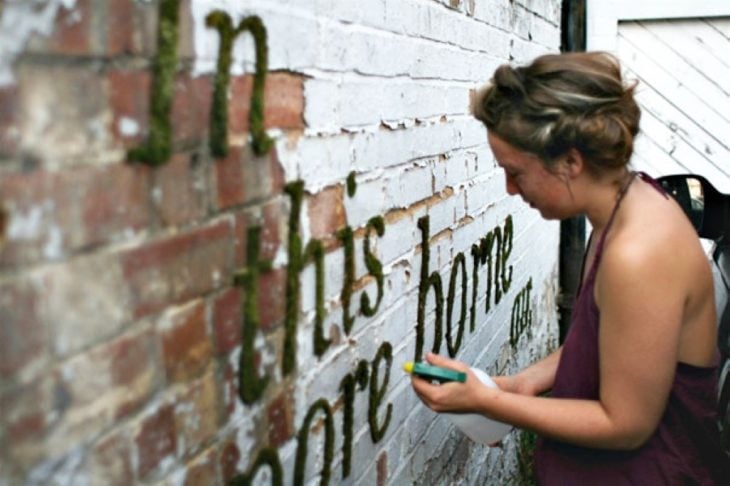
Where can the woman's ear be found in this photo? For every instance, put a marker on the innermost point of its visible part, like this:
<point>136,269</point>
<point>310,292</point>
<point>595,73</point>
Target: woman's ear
<point>573,164</point>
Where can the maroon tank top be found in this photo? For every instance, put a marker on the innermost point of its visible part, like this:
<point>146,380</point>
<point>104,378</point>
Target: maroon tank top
<point>684,449</point>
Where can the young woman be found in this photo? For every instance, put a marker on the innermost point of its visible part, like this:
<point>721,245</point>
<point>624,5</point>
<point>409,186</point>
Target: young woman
<point>633,389</point>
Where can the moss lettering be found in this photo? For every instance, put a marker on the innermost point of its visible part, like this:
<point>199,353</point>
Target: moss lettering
<point>315,252</point>
<point>347,386</point>
<point>295,190</point>
<point>158,147</point>
<point>374,266</point>
<point>345,235</point>
<point>521,319</point>
<point>377,393</point>
<point>251,386</point>
<point>303,438</point>
<point>221,21</point>
<point>266,457</point>
<point>459,263</point>
<point>427,282</point>
<point>494,250</point>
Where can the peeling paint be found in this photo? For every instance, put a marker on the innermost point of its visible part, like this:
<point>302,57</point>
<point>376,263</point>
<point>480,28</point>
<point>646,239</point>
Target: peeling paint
<point>128,127</point>
<point>27,225</point>
<point>18,23</point>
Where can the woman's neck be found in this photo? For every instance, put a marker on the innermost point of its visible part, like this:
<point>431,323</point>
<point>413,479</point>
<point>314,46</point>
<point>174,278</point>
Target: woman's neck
<point>602,195</point>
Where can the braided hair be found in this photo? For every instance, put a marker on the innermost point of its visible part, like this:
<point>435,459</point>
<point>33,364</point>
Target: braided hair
<point>563,101</point>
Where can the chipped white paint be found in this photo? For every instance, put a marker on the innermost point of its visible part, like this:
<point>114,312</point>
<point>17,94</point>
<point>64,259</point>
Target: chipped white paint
<point>128,127</point>
<point>20,20</point>
<point>26,226</point>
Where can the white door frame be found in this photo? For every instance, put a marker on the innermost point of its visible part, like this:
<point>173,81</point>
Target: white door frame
<point>603,16</point>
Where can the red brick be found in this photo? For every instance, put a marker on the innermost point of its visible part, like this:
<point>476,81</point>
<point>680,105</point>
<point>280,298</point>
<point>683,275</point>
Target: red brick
<point>278,178</point>
<point>241,232</point>
<point>24,337</point>
<point>63,212</point>
<point>229,457</point>
<point>179,195</point>
<point>110,460</point>
<point>230,390</point>
<point>115,201</point>
<point>202,471</point>
<point>179,267</point>
<point>281,420</point>
<point>326,212</point>
<point>230,180</point>
<point>186,347</point>
<point>242,178</point>
<point>274,216</point>
<point>120,28</point>
<point>72,32</point>
<point>129,97</point>
<point>9,121</point>
<point>382,469</point>
<point>3,224</point>
<point>129,357</point>
<point>26,410</point>
<point>191,108</point>
<point>111,380</point>
<point>272,298</point>
<point>283,102</point>
<point>155,440</point>
<point>196,414</point>
<point>227,315</point>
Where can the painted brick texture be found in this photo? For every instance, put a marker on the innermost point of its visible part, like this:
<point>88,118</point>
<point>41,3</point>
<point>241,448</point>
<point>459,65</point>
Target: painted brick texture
<point>214,318</point>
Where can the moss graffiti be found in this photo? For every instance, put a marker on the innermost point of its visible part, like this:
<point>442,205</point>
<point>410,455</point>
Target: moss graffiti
<point>490,260</point>
<point>221,21</point>
<point>157,149</point>
<point>493,251</point>
<point>521,319</point>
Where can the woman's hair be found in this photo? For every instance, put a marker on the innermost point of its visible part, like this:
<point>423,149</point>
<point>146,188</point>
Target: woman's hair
<point>563,101</point>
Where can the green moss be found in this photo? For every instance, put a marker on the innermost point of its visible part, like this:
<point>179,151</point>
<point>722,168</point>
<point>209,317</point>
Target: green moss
<point>303,438</point>
<point>377,394</point>
<point>426,282</point>
<point>521,318</point>
<point>351,184</point>
<point>476,255</point>
<point>345,235</point>
<point>315,252</point>
<point>374,266</point>
<point>458,264</point>
<point>486,246</point>
<point>295,190</point>
<point>221,21</point>
<point>158,147</point>
<point>347,385</point>
<point>497,232</point>
<point>508,236</point>
<point>266,457</point>
<point>250,385</point>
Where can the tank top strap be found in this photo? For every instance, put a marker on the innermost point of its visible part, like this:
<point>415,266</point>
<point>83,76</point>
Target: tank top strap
<point>599,246</point>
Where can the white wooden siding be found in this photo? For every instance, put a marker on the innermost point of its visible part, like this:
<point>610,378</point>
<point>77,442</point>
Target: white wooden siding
<point>683,69</point>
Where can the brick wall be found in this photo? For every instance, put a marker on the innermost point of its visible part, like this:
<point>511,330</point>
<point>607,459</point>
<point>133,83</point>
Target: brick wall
<point>184,320</point>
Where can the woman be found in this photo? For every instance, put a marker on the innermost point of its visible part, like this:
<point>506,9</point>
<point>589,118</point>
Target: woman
<point>633,388</point>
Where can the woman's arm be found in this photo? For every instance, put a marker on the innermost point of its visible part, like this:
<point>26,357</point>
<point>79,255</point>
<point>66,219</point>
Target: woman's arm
<point>533,380</point>
<point>641,302</point>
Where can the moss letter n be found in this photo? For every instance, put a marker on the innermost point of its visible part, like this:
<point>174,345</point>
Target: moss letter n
<point>221,21</point>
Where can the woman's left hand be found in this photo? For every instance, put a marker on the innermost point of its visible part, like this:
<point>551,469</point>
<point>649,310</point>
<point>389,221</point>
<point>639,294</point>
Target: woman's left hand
<point>453,396</point>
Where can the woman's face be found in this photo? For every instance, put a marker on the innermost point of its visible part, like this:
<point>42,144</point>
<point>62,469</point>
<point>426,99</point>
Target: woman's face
<point>527,176</point>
